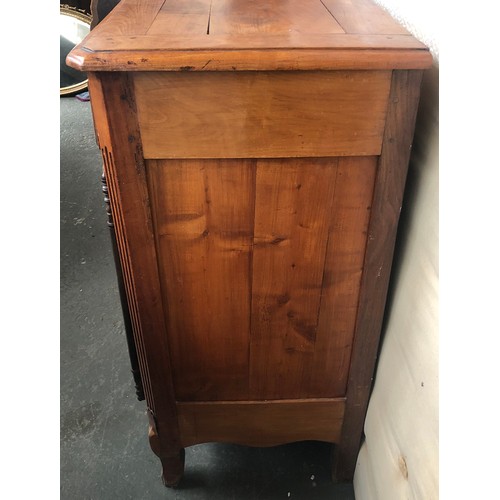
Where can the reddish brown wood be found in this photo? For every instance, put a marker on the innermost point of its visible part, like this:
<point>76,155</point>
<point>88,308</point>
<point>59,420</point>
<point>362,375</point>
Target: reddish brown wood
<point>287,43</point>
<point>310,233</point>
<point>99,10</point>
<point>129,17</point>
<point>252,59</point>
<point>387,201</point>
<point>292,215</point>
<point>182,17</point>
<point>115,116</point>
<point>216,35</point>
<point>204,226</point>
<point>234,115</point>
<point>238,17</point>
<point>304,289</point>
<point>254,219</point>
<point>342,274</point>
<point>374,19</point>
<point>272,17</point>
<point>261,423</point>
<point>172,460</point>
<point>127,321</point>
<point>260,263</point>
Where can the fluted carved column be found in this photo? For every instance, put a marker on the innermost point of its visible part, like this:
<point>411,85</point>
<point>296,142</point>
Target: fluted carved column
<point>123,298</point>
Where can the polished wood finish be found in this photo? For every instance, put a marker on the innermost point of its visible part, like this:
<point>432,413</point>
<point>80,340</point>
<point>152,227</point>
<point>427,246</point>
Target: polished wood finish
<point>98,10</point>
<point>261,423</point>
<point>276,58</point>
<point>263,114</point>
<point>301,299</point>
<point>129,17</point>
<point>270,18</point>
<point>229,35</point>
<point>253,60</point>
<point>256,154</point>
<point>203,225</point>
<point>127,321</point>
<point>118,136</point>
<point>272,250</point>
<point>172,458</point>
<point>373,21</point>
<point>387,202</point>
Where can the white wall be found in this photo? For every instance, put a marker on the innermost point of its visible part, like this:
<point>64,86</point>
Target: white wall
<point>399,458</point>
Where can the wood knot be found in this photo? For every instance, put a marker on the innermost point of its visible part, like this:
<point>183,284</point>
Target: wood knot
<point>277,240</point>
<point>283,299</point>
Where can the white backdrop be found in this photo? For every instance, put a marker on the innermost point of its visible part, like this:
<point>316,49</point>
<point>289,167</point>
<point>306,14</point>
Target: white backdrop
<point>399,458</point>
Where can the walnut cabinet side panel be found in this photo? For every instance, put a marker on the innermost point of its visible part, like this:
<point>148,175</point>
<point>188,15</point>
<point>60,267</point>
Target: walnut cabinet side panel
<point>260,264</point>
<point>273,319</point>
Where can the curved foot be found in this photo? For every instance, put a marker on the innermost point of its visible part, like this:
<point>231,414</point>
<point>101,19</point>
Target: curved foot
<point>172,460</point>
<point>173,468</point>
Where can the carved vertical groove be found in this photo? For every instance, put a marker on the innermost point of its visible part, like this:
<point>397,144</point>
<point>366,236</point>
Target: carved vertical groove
<point>109,172</point>
<point>132,350</point>
<point>115,118</point>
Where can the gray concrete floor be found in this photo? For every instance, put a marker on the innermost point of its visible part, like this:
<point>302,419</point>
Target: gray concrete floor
<point>104,451</point>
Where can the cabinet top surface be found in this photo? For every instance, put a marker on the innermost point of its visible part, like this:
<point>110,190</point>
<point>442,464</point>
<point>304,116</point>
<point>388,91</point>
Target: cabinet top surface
<point>196,35</point>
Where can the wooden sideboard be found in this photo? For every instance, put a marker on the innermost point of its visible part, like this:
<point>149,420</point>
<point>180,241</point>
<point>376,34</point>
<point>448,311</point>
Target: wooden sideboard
<point>255,155</point>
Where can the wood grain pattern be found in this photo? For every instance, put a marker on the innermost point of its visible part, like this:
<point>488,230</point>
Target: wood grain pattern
<point>374,19</point>
<point>214,17</point>
<point>260,423</point>
<point>127,321</point>
<point>386,208</point>
<point>105,143</point>
<point>292,214</point>
<point>204,228</point>
<point>208,60</point>
<point>272,16</point>
<point>266,115</point>
<point>128,18</point>
<point>347,239</point>
<point>182,17</point>
<point>310,233</point>
<point>114,111</point>
<point>293,16</point>
<point>256,155</point>
<point>260,263</point>
<point>292,42</point>
<point>225,35</point>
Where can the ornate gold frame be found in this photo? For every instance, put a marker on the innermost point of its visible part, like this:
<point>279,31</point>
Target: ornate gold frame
<point>87,19</point>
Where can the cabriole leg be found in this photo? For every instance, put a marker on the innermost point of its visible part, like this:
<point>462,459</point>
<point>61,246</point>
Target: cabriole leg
<point>172,460</point>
